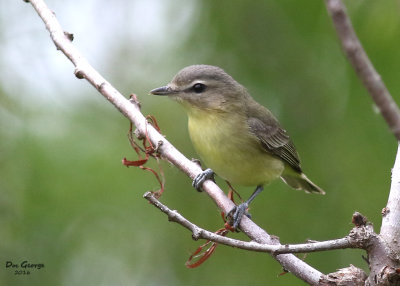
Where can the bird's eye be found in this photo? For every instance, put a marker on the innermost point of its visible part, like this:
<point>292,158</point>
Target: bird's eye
<point>199,87</point>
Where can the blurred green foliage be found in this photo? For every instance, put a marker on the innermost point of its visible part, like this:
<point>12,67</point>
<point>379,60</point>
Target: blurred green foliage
<point>67,201</point>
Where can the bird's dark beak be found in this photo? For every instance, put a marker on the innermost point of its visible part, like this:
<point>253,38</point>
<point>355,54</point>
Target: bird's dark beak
<point>164,90</point>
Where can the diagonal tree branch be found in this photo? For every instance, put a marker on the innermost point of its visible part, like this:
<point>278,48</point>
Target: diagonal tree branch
<point>363,66</point>
<point>84,70</point>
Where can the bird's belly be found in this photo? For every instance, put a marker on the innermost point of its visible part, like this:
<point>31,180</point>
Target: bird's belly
<point>245,168</point>
<point>233,153</point>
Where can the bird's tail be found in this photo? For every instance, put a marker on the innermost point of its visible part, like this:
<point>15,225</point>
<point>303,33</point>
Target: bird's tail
<point>301,182</point>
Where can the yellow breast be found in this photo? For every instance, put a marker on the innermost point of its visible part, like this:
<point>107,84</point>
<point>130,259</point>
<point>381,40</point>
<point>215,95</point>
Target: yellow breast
<point>226,145</point>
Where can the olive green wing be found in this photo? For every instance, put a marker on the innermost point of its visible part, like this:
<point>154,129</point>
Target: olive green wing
<point>275,140</point>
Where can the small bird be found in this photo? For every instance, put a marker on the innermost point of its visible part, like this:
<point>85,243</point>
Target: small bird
<point>239,139</point>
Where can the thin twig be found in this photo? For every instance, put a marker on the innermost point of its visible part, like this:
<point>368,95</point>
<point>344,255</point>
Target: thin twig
<point>200,233</point>
<point>84,70</point>
<point>363,66</point>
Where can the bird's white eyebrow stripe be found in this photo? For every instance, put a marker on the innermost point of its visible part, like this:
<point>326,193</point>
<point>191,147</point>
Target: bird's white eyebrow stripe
<point>192,83</point>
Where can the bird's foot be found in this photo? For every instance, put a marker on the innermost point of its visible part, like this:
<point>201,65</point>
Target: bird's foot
<point>198,181</point>
<point>236,213</point>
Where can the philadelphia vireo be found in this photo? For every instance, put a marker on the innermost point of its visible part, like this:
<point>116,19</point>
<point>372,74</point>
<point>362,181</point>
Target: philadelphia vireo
<point>234,135</point>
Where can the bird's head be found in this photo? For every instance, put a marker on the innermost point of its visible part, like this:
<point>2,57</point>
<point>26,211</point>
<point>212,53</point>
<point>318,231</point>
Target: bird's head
<point>204,87</point>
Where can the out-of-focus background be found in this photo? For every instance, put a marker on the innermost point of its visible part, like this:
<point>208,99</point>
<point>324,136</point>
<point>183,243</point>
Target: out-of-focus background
<point>68,202</point>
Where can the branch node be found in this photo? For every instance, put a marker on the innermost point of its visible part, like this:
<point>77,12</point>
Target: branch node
<point>79,73</point>
<point>101,86</point>
<point>134,100</point>
<point>358,219</point>
<point>385,211</point>
<point>362,236</point>
<point>345,276</point>
<point>196,233</point>
<point>69,36</point>
<point>159,144</point>
<point>172,216</point>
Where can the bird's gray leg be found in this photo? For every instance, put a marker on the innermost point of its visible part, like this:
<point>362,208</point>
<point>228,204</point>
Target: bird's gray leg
<point>198,181</point>
<point>237,212</point>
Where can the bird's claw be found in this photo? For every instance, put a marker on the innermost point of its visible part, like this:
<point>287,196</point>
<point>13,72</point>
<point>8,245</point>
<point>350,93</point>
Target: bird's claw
<point>236,213</point>
<point>198,181</point>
